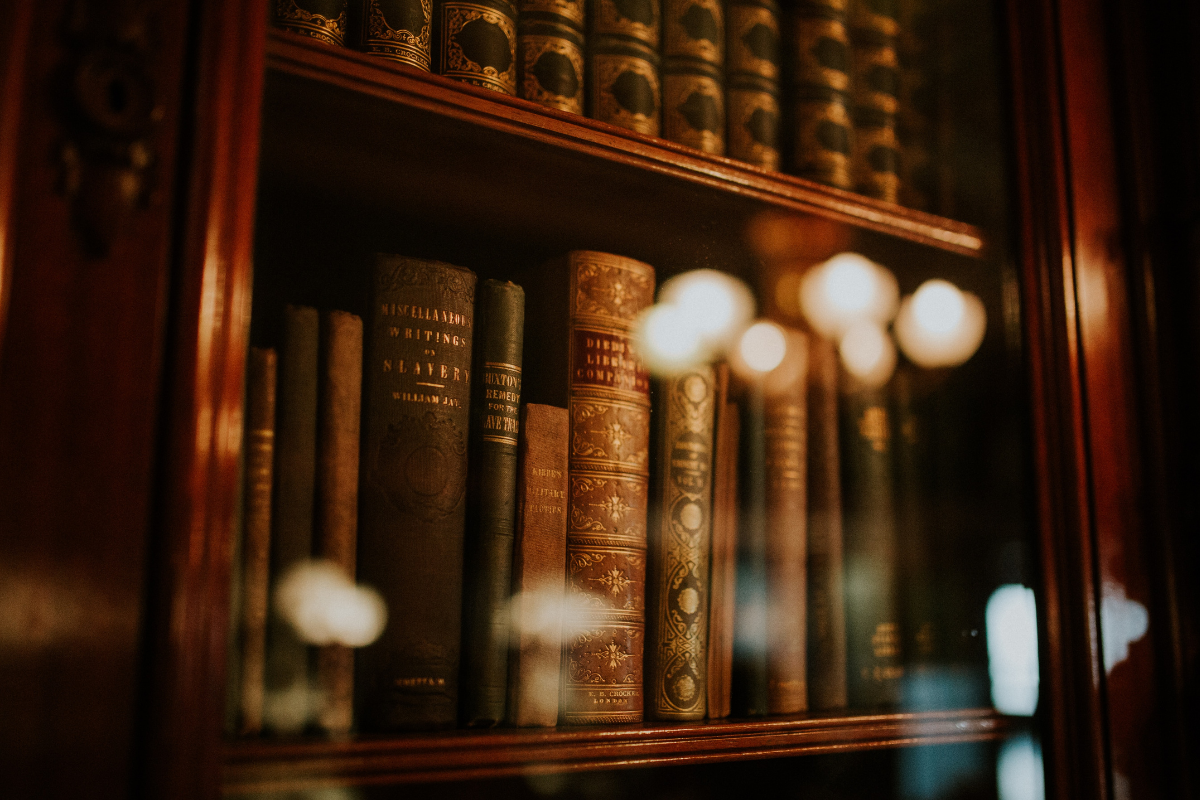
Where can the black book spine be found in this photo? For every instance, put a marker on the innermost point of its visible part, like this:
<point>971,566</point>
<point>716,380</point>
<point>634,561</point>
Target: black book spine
<point>752,82</point>
<point>398,30</point>
<point>693,106</point>
<point>477,43</point>
<point>550,53</point>
<point>295,492</point>
<point>821,129</point>
<point>874,92</point>
<point>873,638</point>
<point>492,500</point>
<point>623,62</point>
<point>413,479</point>
<point>323,20</point>
<point>750,688</point>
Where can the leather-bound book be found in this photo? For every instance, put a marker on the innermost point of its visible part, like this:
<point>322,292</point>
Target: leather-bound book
<point>724,553</point>
<point>539,567</point>
<point>623,62</point>
<point>337,494</point>
<point>323,20</point>
<point>873,638</point>
<point>477,43</point>
<point>292,533</point>
<point>749,695</point>
<point>256,542</point>
<point>550,53</point>
<point>873,94</point>
<point>680,539</point>
<point>580,354</point>
<point>752,82</point>
<point>398,30</point>
<point>915,107</point>
<point>819,82</point>
<point>412,492</point>
<point>693,74</point>
<point>785,431</point>
<point>826,593</point>
<point>491,501</point>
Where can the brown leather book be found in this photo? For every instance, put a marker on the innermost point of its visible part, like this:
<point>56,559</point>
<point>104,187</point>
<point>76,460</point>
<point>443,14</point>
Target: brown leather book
<point>693,74</point>
<point>539,567</point>
<point>873,91</point>
<point>550,52</point>
<point>323,20</point>
<point>826,595</point>
<point>416,403</point>
<point>256,543</point>
<point>680,539</point>
<point>337,494</point>
<point>785,435</point>
<point>822,132</point>
<point>752,81</point>
<point>580,354</point>
<point>724,552</point>
<point>623,64</point>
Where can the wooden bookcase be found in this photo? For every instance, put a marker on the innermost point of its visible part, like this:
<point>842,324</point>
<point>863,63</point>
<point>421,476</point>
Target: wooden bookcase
<point>124,326</point>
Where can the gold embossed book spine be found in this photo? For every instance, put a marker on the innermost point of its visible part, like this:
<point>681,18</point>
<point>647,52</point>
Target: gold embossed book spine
<point>412,489</point>
<point>623,64</point>
<point>680,536</point>
<point>323,20</point>
<point>914,108</point>
<point>693,84</point>
<point>477,43</point>
<point>873,93</point>
<point>550,53</point>
<point>580,353</point>
<point>752,82</point>
<point>821,129</point>
<point>398,30</point>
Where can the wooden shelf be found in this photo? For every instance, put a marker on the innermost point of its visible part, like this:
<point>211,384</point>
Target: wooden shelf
<point>380,132</point>
<point>265,765</point>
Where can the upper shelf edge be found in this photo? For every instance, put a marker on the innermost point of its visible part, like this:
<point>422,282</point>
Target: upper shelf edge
<point>295,55</point>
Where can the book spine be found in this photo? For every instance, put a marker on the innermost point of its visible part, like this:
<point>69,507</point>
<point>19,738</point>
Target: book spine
<point>623,62</point>
<point>914,109</point>
<point>680,535</point>
<point>337,494</point>
<point>874,97</point>
<point>477,43</point>
<point>550,53</point>
<point>398,30</point>
<point>295,486</point>
<point>256,548</point>
<point>752,82</point>
<point>412,489</point>
<point>609,405</point>
<point>323,20</point>
<point>539,567</point>
<point>491,501</point>
<point>820,81</point>
<point>724,556</point>
<point>785,432</point>
<point>749,691</point>
<point>826,593</point>
<point>873,640</point>
<point>693,107</point>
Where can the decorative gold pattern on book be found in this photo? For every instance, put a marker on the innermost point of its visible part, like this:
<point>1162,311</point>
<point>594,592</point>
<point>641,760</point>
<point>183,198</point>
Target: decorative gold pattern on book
<point>822,49</point>
<point>615,288</point>
<point>824,141</point>
<point>607,508</point>
<point>695,29</point>
<point>400,43</point>
<point>637,19</point>
<point>502,399</point>
<point>604,676</point>
<point>682,579</point>
<point>416,465</point>
<point>609,436</point>
<point>753,34</point>
<point>609,580</point>
<point>753,115</point>
<point>456,62</point>
<point>873,426</point>
<point>331,30</point>
<point>635,110</point>
<point>694,112</point>
<point>876,74</point>
<point>571,10</point>
<point>534,47</point>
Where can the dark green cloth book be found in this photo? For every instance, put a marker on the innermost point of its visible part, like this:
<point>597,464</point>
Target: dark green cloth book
<point>749,693</point>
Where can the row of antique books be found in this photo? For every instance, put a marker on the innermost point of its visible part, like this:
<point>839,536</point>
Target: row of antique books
<point>556,536</point>
<point>838,91</point>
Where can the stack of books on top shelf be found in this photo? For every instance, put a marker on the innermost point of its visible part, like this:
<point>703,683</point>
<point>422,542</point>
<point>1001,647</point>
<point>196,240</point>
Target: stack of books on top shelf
<point>837,91</point>
<point>554,537</point>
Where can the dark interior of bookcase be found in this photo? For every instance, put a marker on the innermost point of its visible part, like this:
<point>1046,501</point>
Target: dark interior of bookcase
<point>360,157</point>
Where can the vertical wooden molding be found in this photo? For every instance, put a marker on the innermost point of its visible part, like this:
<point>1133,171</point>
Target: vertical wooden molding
<point>14,39</point>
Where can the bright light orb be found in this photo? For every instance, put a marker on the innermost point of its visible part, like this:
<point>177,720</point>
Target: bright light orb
<point>845,290</point>
<point>868,354</point>
<point>669,339</point>
<point>763,346</point>
<point>940,325</point>
<point>719,304</point>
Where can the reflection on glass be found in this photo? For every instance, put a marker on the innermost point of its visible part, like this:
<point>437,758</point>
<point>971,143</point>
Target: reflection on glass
<point>669,340</point>
<point>845,290</point>
<point>1012,649</point>
<point>868,354</point>
<point>718,304</point>
<point>1019,773</point>
<point>324,606</point>
<point>939,325</point>
<point>763,346</point>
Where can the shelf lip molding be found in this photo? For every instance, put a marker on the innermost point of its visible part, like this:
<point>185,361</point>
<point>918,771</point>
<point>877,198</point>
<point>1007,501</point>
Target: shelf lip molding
<point>265,765</point>
<point>356,72</point>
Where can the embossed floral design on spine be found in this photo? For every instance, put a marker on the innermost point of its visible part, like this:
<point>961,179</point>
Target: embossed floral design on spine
<point>323,20</point>
<point>609,406</point>
<point>477,43</point>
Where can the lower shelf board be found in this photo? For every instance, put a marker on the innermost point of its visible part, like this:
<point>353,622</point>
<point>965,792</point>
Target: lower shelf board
<point>264,765</point>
